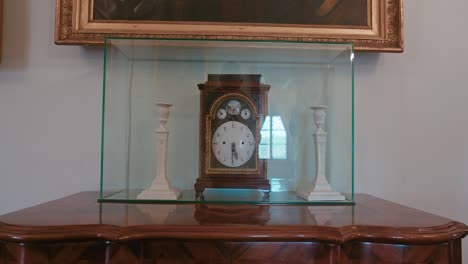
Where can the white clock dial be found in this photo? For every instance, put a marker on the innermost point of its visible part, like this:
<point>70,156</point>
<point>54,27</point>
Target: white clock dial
<point>245,113</point>
<point>221,114</point>
<point>233,144</point>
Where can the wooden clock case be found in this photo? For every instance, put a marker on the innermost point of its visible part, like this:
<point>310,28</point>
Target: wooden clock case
<point>218,88</point>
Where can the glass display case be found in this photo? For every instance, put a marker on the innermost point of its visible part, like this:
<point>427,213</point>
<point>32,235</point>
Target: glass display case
<point>210,121</point>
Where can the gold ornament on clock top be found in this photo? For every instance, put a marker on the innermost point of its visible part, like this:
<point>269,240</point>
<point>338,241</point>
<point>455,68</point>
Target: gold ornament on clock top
<point>232,110</point>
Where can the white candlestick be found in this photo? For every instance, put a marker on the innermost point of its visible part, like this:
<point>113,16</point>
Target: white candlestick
<point>320,144</point>
<point>321,189</point>
<point>160,188</point>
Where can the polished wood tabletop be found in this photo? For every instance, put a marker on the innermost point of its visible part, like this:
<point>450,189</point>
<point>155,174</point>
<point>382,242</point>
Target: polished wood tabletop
<point>80,217</point>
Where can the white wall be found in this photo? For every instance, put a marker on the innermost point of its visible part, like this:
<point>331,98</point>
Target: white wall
<point>49,97</point>
<point>412,114</point>
<point>411,118</point>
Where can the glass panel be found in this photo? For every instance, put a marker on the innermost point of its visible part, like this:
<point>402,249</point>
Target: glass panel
<point>267,123</point>
<point>277,123</point>
<point>219,92</point>
<point>279,151</point>
<point>264,151</point>
<point>279,137</point>
<point>265,137</point>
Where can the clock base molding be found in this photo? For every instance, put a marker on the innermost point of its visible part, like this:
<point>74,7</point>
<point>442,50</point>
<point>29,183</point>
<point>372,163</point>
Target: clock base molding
<point>321,195</point>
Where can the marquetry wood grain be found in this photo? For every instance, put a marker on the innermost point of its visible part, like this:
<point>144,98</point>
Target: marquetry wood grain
<point>217,252</point>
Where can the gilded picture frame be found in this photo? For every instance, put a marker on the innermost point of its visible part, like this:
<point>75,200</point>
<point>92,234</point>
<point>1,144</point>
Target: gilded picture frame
<point>377,26</point>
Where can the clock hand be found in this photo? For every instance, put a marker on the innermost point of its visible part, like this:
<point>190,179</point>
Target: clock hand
<point>233,151</point>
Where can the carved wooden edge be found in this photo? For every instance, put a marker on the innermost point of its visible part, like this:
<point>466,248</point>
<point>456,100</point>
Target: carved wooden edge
<point>393,41</point>
<point>405,235</point>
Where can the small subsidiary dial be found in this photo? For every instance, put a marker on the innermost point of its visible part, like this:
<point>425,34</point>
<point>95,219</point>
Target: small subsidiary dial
<point>245,113</point>
<point>221,114</point>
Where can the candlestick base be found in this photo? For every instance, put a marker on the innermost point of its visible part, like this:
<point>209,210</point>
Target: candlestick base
<point>159,194</point>
<point>322,195</point>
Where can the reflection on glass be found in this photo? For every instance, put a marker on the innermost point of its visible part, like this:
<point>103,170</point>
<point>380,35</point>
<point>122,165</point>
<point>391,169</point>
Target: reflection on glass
<point>275,185</point>
<point>264,151</point>
<point>278,151</point>
<point>277,123</point>
<point>274,139</point>
<point>279,137</point>
<point>265,137</point>
<point>267,124</point>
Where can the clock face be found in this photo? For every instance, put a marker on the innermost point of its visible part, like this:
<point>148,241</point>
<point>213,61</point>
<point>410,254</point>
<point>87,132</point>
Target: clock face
<point>233,144</point>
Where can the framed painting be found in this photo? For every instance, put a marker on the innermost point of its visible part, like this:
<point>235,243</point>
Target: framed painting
<point>372,25</point>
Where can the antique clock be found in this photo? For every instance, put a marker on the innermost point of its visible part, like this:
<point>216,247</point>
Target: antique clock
<point>232,110</point>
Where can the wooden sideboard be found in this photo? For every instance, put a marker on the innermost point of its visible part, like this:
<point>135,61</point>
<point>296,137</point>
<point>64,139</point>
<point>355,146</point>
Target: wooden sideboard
<point>77,229</point>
